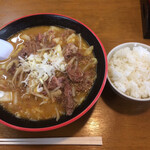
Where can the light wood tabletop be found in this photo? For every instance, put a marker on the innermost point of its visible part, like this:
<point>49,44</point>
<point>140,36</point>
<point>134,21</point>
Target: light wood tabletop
<point>123,125</point>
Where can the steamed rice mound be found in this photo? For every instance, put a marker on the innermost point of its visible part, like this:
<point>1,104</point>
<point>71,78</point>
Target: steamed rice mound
<point>129,71</point>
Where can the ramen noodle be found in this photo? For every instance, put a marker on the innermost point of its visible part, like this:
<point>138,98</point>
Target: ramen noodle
<point>49,73</point>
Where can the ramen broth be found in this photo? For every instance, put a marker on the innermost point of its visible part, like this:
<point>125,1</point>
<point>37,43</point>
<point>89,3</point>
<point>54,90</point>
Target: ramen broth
<point>64,74</point>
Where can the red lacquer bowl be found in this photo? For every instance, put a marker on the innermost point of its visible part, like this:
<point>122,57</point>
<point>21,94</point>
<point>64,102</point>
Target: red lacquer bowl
<point>63,21</point>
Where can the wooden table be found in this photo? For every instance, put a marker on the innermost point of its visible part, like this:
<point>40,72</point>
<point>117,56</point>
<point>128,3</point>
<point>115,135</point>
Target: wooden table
<point>122,124</point>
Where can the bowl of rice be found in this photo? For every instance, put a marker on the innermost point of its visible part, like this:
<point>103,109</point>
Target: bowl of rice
<point>129,70</point>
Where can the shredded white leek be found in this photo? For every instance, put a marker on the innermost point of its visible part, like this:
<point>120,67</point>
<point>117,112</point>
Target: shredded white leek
<point>42,68</point>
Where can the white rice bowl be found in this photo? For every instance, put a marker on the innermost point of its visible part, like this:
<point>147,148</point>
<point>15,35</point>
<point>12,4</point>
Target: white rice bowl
<point>129,70</point>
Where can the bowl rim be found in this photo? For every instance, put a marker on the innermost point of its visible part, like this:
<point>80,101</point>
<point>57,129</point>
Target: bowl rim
<point>94,100</point>
<point>110,54</point>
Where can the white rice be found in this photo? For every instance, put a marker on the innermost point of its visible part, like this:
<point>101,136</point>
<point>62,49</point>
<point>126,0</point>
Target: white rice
<point>129,71</point>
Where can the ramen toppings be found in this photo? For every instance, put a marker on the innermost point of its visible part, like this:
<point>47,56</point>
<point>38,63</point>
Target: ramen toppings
<point>40,68</point>
<point>50,73</point>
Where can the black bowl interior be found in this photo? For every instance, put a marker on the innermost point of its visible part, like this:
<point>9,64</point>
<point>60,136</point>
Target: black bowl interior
<point>49,19</point>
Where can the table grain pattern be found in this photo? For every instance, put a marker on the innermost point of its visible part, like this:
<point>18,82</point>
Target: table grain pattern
<point>123,125</point>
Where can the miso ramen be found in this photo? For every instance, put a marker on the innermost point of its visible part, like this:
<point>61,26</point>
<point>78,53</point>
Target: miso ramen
<point>49,73</point>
